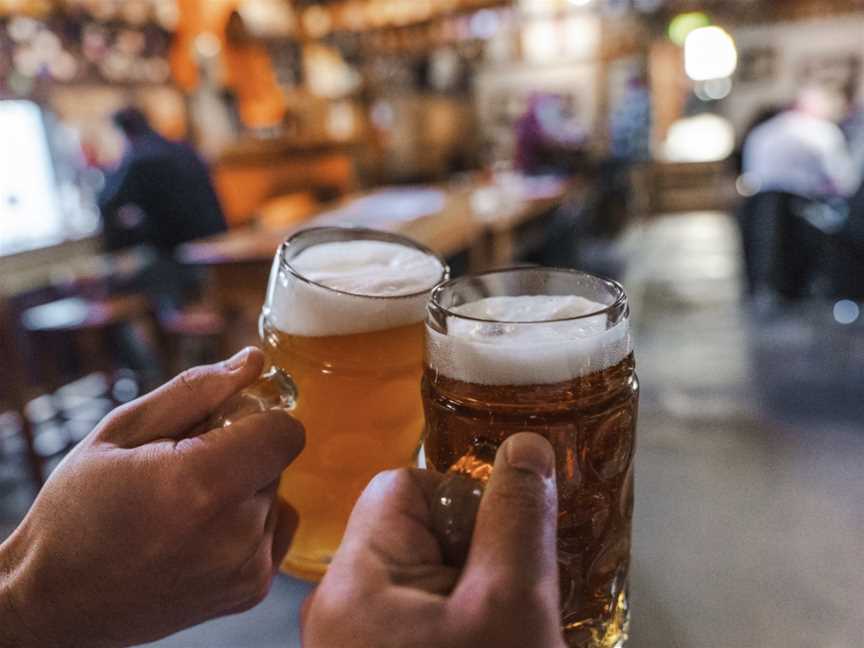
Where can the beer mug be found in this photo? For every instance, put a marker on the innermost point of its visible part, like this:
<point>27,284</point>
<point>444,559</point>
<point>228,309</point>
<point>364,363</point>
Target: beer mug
<point>342,329</point>
<point>545,351</point>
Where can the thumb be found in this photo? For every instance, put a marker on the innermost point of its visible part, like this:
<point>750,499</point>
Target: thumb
<point>514,544</point>
<point>172,410</point>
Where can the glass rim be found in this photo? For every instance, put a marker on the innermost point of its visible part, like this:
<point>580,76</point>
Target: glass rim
<point>619,303</point>
<point>365,234</point>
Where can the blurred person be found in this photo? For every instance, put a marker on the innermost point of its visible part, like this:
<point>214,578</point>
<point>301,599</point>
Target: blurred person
<point>761,116</point>
<point>630,145</point>
<point>630,123</point>
<point>803,151</point>
<point>151,524</point>
<point>847,253</point>
<point>547,139</point>
<point>154,524</point>
<point>160,195</point>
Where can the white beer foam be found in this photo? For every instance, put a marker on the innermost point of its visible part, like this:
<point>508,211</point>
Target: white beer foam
<point>528,340</point>
<point>367,271</point>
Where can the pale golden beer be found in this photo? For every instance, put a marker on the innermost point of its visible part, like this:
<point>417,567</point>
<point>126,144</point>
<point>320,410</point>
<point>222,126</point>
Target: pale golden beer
<point>344,319</point>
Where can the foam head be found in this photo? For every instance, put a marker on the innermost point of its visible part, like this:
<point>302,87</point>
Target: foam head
<point>350,287</point>
<point>527,340</point>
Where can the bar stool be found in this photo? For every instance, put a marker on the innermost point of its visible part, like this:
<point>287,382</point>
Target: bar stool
<point>87,326</point>
<point>14,394</point>
<point>76,394</point>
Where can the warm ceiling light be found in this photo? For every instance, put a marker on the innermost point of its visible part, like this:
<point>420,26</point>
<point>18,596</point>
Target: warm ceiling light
<point>354,15</point>
<point>317,21</point>
<point>710,53</point>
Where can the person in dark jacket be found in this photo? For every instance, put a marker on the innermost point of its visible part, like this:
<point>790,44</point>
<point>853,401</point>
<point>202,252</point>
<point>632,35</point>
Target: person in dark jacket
<point>161,196</point>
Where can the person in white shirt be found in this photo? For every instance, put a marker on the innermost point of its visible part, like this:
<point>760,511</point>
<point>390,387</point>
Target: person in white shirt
<point>803,151</point>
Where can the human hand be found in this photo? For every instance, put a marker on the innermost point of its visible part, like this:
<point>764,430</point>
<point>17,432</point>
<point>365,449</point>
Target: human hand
<point>144,530</point>
<point>388,585</point>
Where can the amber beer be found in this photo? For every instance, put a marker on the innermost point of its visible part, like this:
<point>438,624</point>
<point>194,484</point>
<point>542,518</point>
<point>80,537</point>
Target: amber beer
<point>546,351</point>
<point>344,319</point>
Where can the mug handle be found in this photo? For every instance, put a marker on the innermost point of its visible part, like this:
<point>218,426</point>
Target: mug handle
<point>457,500</point>
<point>274,390</point>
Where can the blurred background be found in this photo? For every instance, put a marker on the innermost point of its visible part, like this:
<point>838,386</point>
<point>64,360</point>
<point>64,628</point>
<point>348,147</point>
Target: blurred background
<point>708,154</point>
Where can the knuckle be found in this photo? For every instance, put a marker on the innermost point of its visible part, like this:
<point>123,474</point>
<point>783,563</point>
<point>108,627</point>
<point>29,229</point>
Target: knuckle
<point>190,380</point>
<point>260,579</point>
<point>382,483</point>
<point>501,601</point>
<point>386,479</point>
<point>497,599</point>
<point>200,501</point>
<point>121,418</point>
<point>398,480</point>
<point>526,496</point>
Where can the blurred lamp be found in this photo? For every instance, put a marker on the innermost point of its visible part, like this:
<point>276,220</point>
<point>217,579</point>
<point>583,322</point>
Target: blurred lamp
<point>710,53</point>
<point>714,89</point>
<point>683,24</point>
<point>317,21</point>
<point>207,45</point>
<point>484,24</point>
<point>846,312</point>
<point>703,138</point>
<point>538,7</point>
<point>581,37</point>
<point>541,41</point>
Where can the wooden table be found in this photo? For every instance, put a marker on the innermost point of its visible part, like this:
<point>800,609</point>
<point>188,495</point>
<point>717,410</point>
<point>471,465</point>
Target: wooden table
<point>468,219</point>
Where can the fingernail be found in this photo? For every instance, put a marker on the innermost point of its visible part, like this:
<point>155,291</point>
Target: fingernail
<point>238,361</point>
<point>531,452</point>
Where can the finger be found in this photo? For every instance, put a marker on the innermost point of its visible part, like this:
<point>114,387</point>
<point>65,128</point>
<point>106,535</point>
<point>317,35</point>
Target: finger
<point>304,613</point>
<point>393,516</point>
<point>513,548</point>
<point>285,524</point>
<point>250,455</point>
<point>175,408</point>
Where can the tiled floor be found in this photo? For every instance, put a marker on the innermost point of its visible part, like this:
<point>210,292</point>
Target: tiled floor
<point>749,523</point>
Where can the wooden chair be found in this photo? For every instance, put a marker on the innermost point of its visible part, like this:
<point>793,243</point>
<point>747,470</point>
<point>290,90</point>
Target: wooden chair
<point>74,366</point>
<point>87,326</point>
<point>14,392</point>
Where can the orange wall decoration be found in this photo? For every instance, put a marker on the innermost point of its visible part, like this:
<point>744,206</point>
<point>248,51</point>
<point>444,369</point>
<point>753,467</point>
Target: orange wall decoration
<point>247,69</point>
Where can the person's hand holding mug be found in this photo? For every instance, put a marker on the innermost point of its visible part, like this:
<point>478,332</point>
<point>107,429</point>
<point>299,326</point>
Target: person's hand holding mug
<point>149,527</point>
<point>389,586</point>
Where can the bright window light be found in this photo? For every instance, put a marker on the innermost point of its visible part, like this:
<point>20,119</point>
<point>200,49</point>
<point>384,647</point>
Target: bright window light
<point>541,41</point>
<point>581,35</point>
<point>710,53</point>
<point>703,138</point>
<point>30,215</point>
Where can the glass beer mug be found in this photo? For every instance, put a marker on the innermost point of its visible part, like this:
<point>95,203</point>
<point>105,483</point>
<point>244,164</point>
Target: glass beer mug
<point>342,329</point>
<point>545,351</point>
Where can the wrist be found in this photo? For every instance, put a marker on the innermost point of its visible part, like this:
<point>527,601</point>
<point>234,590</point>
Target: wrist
<point>15,629</point>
